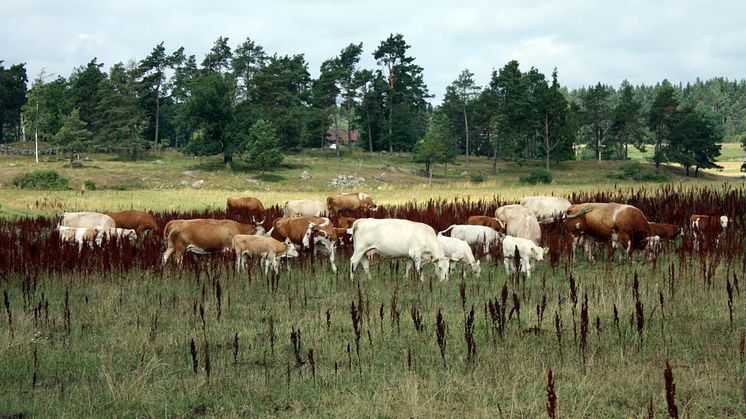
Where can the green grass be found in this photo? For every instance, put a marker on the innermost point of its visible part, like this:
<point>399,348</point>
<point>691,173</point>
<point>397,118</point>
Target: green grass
<point>115,362</point>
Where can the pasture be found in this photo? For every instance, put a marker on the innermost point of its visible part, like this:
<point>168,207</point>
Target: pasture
<point>109,332</point>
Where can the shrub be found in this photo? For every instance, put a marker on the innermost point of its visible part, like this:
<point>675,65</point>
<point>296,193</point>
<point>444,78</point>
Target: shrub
<point>41,179</point>
<point>477,178</point>
<point>537,175</point>
<point>639,172</point>
<point>90,185</point>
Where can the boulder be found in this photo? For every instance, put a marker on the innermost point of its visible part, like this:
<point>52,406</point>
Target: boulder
<point>198,184</point>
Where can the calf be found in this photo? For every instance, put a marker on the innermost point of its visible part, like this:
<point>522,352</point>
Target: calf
<point>78,235</point>
<point>528,252</point>
<point>269,249</point>
<point>666,232</point>
<point>707,228</point>
<point>474,235</point>
<point>457,250</point>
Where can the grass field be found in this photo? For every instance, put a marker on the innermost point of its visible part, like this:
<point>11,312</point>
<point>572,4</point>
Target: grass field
<point>109,333</point>
<point>100,334</point>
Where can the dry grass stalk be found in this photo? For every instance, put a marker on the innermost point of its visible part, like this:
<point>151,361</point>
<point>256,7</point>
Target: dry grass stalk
<point>355,315</point>
<point>271,333</point>
<point>8,312</point>
<point>235,349</point>
<point>312,362</point>
<point>742,347</point>
<point>416,318</point>
<point>295,339</point>
<point>584,327</point>
<point>558,330</point>
<point>551,396</point>
<point>440,333</point>
<point>729,291</point>
<point>651,409</point>
<point>208,364</point>
<point>673,410</point>
<point>462,293</point>
<point>193,352</point>
<point>471,344</point>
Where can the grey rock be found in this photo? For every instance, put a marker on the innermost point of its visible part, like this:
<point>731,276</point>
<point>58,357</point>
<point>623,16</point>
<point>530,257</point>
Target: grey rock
<point>198,184</point>
<point>305,175</point>
<point>188,173</point>
<point>183,184</point>
<point>157,161</point>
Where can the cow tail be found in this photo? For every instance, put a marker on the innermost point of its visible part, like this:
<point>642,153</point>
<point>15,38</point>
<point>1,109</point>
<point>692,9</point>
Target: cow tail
<point>585,210</point>
<point>440,233</point>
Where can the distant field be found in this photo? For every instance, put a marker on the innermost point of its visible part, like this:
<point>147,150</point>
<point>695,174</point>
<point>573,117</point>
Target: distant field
<point>146,184</point>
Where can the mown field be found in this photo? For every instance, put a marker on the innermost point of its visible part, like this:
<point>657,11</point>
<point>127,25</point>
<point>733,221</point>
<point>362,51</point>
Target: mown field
<point>108,332</point>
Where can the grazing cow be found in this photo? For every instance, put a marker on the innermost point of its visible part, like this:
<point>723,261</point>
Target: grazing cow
<point>577,228</point>
<point>86,220</point>
<point>524,226</point>
<point>202,236</point>
<point>457,250</point>
<point>474,235</point>
<point>269,249</point>
<point>245,203</point>
<point>93,236</point>
<point>78,235</point>
<point>546,208</point>
<point>528,253</point>
<point>139,221</point>
<point>707,228</point>
<point>624,225</point>
<point>509,211</point>
<point>351,201</point>
<point>396,238</point>
<point>299,229</point>
<point>666,232</point>
<point>483,220</point>
<point>345,222</point>
<point>305,207</point>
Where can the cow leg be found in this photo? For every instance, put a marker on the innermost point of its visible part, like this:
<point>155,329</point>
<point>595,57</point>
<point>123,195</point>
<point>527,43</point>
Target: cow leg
<point>239,258</point>
<point>167,254</point>
<point>526,267</point>
<point>408,268</point>
<point>418,266</point>
<point>354,260</point>
<point>276,264</point>
<point>366,268</point>
<point>508,262</point>
<point>331,258</point>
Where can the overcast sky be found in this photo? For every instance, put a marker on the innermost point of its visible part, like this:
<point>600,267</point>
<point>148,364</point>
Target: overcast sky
<point>588,41</point>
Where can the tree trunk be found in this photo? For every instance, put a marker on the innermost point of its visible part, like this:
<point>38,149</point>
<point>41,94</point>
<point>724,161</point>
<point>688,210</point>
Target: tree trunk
<point>466,130</point>
<point>370,134</point>
<point>133,154</point>
<point>336,132</point>
<point>391,140</point>
<point>36,142</point>
<point>157,110</point>
<point>72,156</point>
<point>228,160</point>
<point>546,140</point>
<point>349,127</point>
<point>494,155</point>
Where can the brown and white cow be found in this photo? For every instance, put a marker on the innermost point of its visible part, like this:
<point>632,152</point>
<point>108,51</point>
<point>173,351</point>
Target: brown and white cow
<point>203,236</point>
<point>624,225</point>
<point>86,220</point>
<point>483,220</point>
<point>345,222</point>
<point>268,249</point>
<point>666,232</point>
<point>299,229</point>
<point>305,207</point>
<point>707,228</point>
<point>245,203</point>
<point>350,201</point>
<point>139,221</point>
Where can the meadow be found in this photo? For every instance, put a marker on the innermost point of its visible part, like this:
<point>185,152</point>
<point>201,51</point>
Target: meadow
<point>109,332</point>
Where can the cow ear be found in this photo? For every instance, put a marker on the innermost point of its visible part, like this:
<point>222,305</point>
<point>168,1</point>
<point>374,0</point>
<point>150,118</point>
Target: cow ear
<point>545,250</point>
<point>478,262</point>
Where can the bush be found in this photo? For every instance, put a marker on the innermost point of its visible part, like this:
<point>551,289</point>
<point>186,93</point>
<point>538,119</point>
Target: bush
<point>638,172</point>
<point>90,185</point>
<point>477,178</point>
<point>537,175</point>
<point>41,179</point>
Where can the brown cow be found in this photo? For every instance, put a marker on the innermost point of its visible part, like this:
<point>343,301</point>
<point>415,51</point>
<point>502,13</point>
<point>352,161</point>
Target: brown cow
<point>299,229</point>
<point>666,232</point>
<point>707,228</point>
<point>624,225</point>
<point>135,220</point>
<point>203,236</point>
<point>269,249</point>
<point>483,220</point>
<point>245,203</point>
<point>345,222</point>
<point>351,201</point>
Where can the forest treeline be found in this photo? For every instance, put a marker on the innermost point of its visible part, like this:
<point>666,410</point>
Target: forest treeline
<point>208,107</point>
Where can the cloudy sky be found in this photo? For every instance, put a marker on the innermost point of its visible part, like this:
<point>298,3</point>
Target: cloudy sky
<point>588,41</point>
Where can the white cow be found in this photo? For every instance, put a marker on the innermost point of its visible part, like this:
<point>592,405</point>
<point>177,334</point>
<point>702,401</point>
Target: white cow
<point>457,250</point>
<point>509,211</point>
<point>525,226</point>
<point>475,235</point>
<point>93,236</point>
<point>528,251</point>
<point>301,207</point>
<point>546,208</point>
<point>86,220</point>
<point>394,238</point>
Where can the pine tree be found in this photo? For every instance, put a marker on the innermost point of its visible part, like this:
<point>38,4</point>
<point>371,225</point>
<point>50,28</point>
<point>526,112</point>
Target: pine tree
<point>74,136</point>
<point>263,146</point>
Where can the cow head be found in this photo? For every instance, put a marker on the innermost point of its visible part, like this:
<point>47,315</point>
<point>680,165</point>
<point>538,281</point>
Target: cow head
<point>724,221</point>
<point>538,252</point>
<point>442,266</point>
<point>307,236</point>
<point>476,269</point>
<point>259,225</point>
<point>652,243</point>
<point>292,252</point>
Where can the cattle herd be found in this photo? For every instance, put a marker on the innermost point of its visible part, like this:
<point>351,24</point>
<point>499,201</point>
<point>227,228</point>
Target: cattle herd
<point>306,225</point>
